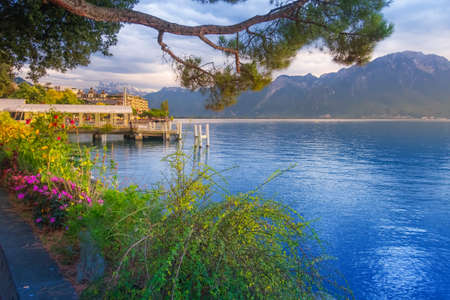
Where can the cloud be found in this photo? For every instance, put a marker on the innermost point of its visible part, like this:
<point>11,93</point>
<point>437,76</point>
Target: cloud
<point>137,59</point>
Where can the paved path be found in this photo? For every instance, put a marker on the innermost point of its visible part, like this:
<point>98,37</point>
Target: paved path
<point>35,274</point>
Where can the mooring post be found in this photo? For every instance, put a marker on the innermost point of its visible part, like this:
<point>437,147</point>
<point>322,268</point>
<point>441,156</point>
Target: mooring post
<point>200,134</point>
<point>207,135</point>
<point>195,135</point>
<point>180,130</point>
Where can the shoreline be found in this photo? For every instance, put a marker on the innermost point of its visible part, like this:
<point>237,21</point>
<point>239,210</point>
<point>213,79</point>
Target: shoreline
<point>338,120</point>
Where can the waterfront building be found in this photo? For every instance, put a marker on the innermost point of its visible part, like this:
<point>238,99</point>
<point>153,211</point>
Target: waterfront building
<point>138,103</point>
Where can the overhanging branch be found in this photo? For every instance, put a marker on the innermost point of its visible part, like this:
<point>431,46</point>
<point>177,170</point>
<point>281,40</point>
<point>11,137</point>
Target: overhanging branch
<point>119,15</point>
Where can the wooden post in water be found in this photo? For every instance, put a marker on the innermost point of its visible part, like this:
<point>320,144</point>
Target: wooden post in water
<point>200,136</point>
<point>195,135</point>
<point>207,135</point>
<point>180,130</point>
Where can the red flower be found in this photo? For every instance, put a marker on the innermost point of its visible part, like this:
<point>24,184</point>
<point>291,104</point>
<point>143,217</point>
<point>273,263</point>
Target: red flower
<point>72,122</point>
<point>58,138</point>
<point>54,124</point>
<point>55,117</point>
<point>28,121</point>
<point>62,125</point>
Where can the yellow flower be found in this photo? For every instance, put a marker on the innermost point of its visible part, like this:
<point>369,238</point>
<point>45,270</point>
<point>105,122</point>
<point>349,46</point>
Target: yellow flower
<point>37,131</point>
<point>45,147</point>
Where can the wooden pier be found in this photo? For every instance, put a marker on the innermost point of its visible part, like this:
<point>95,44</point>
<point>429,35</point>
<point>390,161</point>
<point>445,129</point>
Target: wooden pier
<point>138,130</point>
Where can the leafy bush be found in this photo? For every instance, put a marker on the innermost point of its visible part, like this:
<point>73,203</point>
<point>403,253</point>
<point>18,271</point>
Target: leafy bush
<point>50,202</point>
<point>178,243</point>
<point>155,113</point>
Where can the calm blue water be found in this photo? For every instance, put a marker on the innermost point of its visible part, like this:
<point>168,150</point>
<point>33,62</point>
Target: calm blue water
<point>379,192</point>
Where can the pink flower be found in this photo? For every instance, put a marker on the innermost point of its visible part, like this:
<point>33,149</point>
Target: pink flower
<point>58,138</point>
<point>52,220</point>
<point>35,188</point>
<point>38,220</point>
<point>21,196</point>
<point>54,179</point>
<point>100,201</point>
<point>45,187</point>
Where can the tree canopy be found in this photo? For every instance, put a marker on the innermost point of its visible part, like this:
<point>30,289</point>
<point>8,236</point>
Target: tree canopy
<point>6,80</point>
<point>62,34</point>
<point>45,36</point>
<point>38,94</point>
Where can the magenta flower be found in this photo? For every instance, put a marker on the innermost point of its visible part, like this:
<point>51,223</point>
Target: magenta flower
<point>21,196</point>
<point>35,188</point>
<point>38,220</point>
<point>54,179</point>
<point>52,220</point>
<point>45,187</point>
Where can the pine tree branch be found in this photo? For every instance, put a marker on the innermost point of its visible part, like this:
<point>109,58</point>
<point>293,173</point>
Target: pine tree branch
<point>166,49</point>
<point>120,15</point>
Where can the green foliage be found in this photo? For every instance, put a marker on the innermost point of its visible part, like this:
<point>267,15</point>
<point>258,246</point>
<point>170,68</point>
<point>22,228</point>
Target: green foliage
<point>155,113</point>
<point>175,242</point>
<point>6,80</point>
<point>45,36</point>
<point>40,94</point>
<point>165,106</point>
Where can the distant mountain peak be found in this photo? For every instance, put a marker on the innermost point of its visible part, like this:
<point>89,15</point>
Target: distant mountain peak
<point>112,87</point>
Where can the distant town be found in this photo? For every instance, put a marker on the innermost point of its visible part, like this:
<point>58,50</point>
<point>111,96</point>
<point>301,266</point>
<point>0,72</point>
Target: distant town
<point>137,103</point>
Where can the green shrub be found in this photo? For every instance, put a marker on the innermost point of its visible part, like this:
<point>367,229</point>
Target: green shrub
<point>178,243</point>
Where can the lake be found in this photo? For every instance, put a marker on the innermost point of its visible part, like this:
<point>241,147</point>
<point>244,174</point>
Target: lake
<point>378,192</point>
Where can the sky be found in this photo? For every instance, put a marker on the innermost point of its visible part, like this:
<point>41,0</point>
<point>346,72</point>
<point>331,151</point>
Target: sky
<point>138,61</point>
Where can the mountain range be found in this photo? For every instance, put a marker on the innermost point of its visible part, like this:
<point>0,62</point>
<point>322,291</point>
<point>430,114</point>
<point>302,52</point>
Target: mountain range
<point>404,84</point>
<point>111,87</point>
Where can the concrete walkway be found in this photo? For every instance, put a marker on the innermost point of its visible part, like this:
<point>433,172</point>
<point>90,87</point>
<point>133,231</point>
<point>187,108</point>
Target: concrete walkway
<point>34,273</point>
